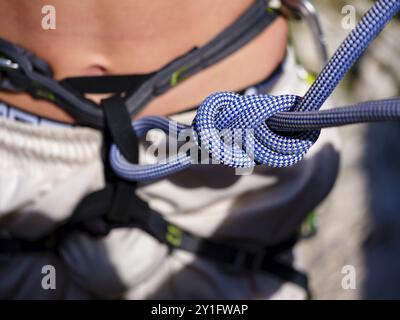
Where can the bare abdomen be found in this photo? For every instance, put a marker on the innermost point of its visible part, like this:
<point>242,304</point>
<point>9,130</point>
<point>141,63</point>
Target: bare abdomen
<point>94,37</point>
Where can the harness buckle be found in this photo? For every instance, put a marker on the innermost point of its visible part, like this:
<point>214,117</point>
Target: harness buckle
<point>8,64</point>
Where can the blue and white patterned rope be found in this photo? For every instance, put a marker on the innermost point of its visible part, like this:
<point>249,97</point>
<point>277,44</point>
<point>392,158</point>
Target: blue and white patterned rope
<point>348,53</point>
<point>135,172</point>
<point>255,116</point>
<point>368,111</point>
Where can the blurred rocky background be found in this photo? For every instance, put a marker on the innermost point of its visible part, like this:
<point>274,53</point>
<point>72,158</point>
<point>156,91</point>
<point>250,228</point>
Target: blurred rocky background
<point>359,223</point>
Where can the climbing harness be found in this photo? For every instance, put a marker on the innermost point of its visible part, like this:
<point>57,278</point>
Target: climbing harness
<point>279,130</point>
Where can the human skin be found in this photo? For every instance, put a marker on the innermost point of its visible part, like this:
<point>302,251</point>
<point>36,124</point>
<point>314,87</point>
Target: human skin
<point>97,37</point>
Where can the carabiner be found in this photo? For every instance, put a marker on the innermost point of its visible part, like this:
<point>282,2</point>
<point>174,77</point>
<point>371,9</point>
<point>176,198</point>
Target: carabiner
<point>304,9</point>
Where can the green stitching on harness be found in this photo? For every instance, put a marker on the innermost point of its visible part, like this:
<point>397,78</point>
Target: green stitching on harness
<point>173,235</point>
<point>45,94</point>
<point>310,225</point>
<point>176,77</point>
<point>269,10</point>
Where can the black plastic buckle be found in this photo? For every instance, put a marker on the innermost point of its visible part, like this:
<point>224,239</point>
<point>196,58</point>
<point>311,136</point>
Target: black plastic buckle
<point>19,65</point>
<point>7,66</point>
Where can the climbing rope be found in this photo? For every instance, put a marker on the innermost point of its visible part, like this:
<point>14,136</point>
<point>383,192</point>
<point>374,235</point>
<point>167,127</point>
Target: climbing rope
<point>243,131</point>
<point>369,111</point>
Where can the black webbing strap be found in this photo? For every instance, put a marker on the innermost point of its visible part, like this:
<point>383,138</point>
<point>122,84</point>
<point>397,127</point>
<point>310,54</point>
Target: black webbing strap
<point>118,124</point>
<point>118,206</point>
<point>107,84</point>
<point>247,259</point>
<point>126,209</point>
<point>129,210</point>
<point>115,206</point>
<point>16,246</point>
